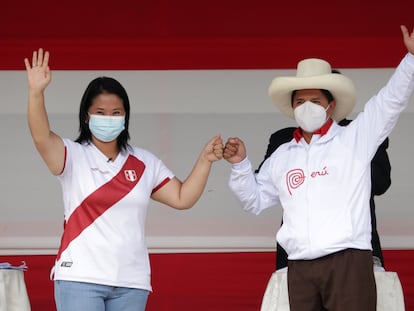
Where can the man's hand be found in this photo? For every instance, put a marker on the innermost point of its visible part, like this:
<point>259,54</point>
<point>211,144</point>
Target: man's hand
<point>408,39</point>
<point>234,150</point>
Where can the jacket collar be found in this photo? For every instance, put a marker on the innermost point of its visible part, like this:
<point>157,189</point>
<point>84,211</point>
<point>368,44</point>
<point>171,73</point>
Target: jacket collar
<point>297,134</point>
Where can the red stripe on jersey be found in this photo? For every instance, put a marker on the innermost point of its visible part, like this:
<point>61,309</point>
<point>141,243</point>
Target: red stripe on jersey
<point>160,185</point>
<point>64,162</point>
<point>101,200</point>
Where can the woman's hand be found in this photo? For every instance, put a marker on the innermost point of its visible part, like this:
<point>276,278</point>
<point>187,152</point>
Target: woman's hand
<point>38,73</point>
<point>213,151</point>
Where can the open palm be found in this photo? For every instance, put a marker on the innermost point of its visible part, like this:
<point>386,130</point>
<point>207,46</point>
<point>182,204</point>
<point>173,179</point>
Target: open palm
<point>38,73</point>
<point>408,39</point>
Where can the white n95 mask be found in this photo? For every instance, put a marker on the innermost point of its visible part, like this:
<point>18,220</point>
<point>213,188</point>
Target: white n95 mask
<point>310,116</point>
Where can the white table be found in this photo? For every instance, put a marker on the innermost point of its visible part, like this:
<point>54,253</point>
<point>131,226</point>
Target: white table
<point>389,292</point>
<point>13,293</point>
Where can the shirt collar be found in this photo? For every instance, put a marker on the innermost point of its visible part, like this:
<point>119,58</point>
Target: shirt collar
<point>297,134</point>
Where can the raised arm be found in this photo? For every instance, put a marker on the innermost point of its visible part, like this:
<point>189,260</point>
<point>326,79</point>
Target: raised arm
<point>183,195</point>
<point>49,145</point>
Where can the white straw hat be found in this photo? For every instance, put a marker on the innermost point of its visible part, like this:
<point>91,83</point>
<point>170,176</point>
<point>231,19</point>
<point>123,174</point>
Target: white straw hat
<point>314,73</point>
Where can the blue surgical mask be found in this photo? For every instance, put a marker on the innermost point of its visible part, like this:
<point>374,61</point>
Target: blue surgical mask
<point>106,128</point>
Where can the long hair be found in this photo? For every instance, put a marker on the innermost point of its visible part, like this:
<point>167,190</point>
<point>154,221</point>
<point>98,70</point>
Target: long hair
<point>96,87</point>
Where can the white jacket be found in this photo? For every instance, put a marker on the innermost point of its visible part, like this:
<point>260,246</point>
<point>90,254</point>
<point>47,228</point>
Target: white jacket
<point>324,187</point>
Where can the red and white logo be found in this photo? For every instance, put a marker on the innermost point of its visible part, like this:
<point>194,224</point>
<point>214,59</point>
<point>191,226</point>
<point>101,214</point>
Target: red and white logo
<point>130,175</point>
<point>294,178</point>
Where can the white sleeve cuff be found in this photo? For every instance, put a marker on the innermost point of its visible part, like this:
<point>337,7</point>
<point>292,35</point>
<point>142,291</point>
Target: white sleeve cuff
<point>243,165</point>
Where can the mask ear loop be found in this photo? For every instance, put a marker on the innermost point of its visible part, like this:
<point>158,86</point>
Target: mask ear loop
<point>327,117</point>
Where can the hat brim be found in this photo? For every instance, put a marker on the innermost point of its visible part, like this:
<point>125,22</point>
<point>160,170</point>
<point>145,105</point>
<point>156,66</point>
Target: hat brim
<point>341,87</point>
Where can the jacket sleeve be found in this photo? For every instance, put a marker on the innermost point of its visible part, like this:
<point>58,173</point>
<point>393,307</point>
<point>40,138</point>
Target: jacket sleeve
<point>253,195</point>
<point>380,167</point>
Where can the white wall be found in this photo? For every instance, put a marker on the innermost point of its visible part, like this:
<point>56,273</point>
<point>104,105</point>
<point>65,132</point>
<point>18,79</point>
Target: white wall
<point>174,113</point>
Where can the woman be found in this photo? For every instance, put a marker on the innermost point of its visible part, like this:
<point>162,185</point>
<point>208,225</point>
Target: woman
<point>102,262</point>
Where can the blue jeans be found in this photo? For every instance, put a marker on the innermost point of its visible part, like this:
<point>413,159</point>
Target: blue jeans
<point>78,296</point>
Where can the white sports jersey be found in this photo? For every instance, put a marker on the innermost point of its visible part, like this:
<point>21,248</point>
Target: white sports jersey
<point>324,186</point>
<point>105,207</point>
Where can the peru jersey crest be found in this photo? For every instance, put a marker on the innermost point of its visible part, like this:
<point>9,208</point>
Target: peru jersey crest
<point>130,175</point>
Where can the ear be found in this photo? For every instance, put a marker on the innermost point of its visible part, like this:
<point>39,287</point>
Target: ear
<point>332,106</point>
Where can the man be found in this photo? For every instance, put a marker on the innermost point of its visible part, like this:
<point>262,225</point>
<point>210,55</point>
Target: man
<point>322,180</point>
<point>380,182</point>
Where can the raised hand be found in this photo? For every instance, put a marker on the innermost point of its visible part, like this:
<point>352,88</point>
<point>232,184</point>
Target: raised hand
<point>38,72</point>
<point>408,39</point>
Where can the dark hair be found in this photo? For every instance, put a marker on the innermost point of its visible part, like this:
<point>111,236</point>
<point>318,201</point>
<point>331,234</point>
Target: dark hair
<point>328,95</point>
<point>96,87</point>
